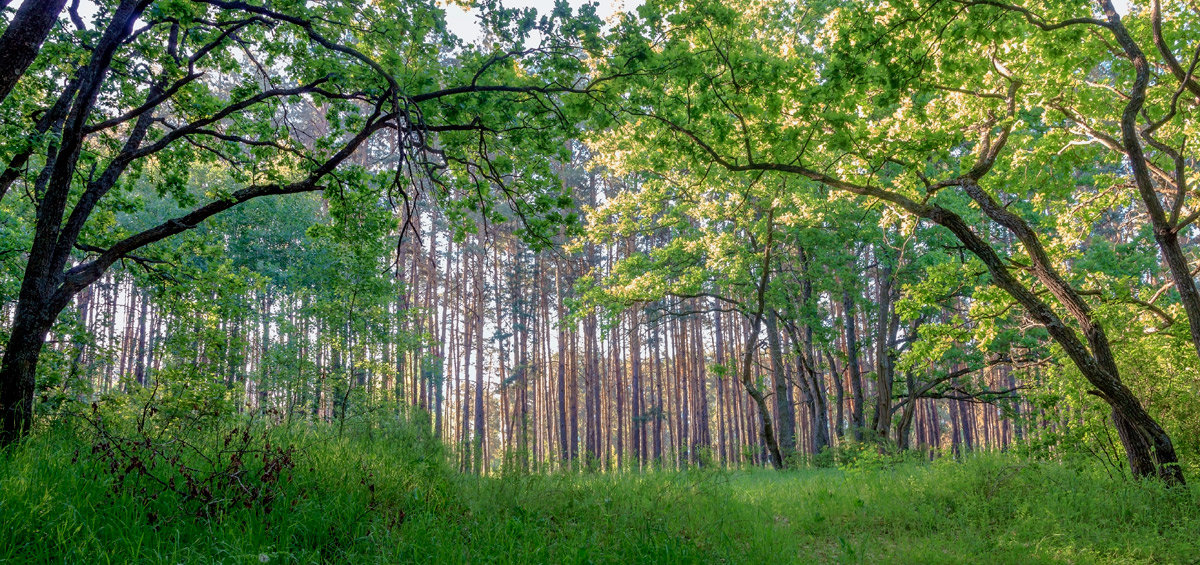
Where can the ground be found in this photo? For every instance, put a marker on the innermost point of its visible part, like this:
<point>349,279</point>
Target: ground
<point>394,497</point>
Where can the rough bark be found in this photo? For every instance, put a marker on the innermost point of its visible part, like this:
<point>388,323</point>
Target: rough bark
<point>857,419</point>
<point>22,39</point>
<point>785,411</point>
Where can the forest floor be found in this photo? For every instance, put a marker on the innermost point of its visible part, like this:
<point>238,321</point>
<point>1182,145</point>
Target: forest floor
<point>391,496</point>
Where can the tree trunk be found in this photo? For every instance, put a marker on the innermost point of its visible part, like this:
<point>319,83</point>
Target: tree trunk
<point>857,420</point>
<point>23,39</point>
<point>18,370</point>
<point>563,437</point>
<point>885,334</point>
<point>784,410</point>
<point>840,398</point>
<point>904,426</point>
<point>637,412</point>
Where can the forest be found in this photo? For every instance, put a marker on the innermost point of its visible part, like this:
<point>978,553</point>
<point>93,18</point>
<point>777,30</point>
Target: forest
<point>672,281</point>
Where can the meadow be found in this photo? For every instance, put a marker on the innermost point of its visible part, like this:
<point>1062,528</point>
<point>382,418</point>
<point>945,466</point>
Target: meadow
<point>311,494</point>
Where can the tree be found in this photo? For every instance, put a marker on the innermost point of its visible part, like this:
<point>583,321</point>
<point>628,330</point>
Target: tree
<point>815,92</point>
<point>285,98</point>
<point>23,38</point>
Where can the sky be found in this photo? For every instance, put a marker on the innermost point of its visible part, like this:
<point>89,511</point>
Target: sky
<point>464,24</point>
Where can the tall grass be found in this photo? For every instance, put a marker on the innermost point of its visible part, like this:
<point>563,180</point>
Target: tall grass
<point>372,493</point>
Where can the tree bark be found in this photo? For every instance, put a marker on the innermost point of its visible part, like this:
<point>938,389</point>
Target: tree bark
<point>857,419</point>
<point>21,41</point>
<point>18,373</point>
<point>784,409</point>
<point>885,335</point>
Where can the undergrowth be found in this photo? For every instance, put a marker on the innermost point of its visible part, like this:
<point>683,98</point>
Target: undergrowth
<point>253,490</point>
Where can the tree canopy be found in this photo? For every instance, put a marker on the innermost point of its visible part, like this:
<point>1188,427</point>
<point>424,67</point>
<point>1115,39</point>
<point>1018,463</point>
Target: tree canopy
<point>796,227</point>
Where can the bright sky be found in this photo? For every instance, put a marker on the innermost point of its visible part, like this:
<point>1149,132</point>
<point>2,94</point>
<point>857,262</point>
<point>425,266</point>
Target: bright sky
<point>464,24</point>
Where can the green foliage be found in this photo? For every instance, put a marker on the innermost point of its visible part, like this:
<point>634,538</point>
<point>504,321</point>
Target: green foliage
<point>318,494</point>
<point>384,493</point>
<point>1160,368</point>
<point>893,97</point>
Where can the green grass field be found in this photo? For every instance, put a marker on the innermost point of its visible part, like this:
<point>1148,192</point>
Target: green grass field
<point>392,497</point>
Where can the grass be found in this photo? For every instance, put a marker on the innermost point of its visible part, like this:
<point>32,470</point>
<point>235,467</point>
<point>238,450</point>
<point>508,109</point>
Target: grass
<point>390,497</point>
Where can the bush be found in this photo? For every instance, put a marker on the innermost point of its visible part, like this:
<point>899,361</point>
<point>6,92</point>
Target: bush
<point>201,475</point>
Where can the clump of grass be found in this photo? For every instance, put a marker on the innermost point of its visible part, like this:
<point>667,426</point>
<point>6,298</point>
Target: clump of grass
<point>197,489</point>
<point>384,493</point>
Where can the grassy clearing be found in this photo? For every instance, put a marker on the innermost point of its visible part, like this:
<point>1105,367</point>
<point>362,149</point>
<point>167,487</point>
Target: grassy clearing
<point>390,497</point>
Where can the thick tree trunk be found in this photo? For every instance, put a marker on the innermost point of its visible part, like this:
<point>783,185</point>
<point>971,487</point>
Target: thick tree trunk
<point>1147,445</point>
<point>857,420</point>
<point>766,428</point>
<point>885,334</point>
<point>23,39</point>
<point>807,365</point>
<point>1166,228</point>
<point>18,370</point>
<point>820,407</point>
<point>18,378</point>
